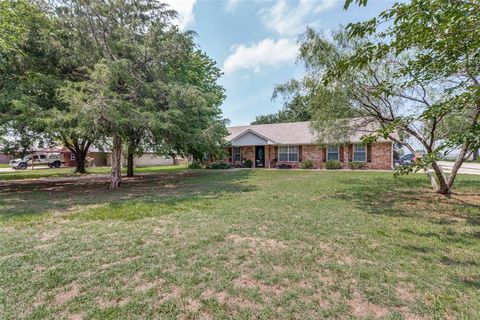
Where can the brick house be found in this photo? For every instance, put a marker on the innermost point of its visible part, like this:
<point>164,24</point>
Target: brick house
<point>271,145</point>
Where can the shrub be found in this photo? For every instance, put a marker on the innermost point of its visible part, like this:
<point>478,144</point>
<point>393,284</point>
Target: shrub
<point>220,165</point>
<point>195,165</point>
<point>332,165</point>
<point>248,163</point>
<point>355,165</point>
<point>307,164</point>
<point>284,166</point>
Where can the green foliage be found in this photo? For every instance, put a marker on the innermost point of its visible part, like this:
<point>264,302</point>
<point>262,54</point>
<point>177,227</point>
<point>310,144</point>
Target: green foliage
<point>20,22</point>
<point>219,165</point>
<point>307,164</point>
<point>356,165</point>
<point>333,165</point>
<point>248,163</point>
<point>195,165</point>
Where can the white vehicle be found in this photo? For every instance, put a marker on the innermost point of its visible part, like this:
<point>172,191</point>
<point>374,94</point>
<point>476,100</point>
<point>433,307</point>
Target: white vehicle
<point>53,160</point>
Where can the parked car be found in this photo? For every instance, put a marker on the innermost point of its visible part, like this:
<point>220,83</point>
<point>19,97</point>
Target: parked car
<point>53,160</point>
<point>408,159</point>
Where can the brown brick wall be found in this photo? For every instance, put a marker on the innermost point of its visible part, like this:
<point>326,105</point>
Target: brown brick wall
<point>314,153</point>
<point>381,154</point>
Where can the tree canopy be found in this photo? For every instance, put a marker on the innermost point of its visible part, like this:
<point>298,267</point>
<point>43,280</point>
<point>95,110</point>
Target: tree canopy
<point>113,72</point>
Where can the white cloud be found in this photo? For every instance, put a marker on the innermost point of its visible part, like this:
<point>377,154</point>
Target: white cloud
<point>186,17</point>
<point>267,52</point>
<point>231,4</point>
<point>289,20</point>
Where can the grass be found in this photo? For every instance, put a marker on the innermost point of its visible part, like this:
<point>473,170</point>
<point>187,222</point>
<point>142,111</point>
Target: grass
<point>4,165</point>
<point>69,172</point>
<point>239,244</point>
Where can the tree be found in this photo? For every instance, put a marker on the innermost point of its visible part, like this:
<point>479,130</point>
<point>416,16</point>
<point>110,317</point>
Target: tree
<point>33,68</point>
<point>136,92</point>
<point>440,40</point>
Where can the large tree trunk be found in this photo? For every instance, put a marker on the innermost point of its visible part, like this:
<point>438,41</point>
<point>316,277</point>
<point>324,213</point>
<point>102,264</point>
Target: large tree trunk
<point>80,162</point>
<point>80,149</point>
<point>456,166</point>
<point>116,175</point>
<point>440,183</point>
<point>130,155</point>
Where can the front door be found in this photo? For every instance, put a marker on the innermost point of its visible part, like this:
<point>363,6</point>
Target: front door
<point>260,156</point>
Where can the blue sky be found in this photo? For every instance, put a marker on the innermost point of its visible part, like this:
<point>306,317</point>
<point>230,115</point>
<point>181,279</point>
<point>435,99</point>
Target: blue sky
<point>255,43</point>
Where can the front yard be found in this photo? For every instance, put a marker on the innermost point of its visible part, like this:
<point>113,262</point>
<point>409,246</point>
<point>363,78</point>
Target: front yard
<point>239,244</point>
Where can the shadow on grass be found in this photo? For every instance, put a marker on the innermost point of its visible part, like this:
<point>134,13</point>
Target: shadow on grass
<point>412,197</point>
<point>140,196</point>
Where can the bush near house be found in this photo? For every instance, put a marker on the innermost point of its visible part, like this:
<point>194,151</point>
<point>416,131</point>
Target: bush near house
<point>356,165</point>
<point>195,165</point>
<point>219,165</point>
<point>248,164</point>
<point>333,165</point>
<point>307,164</point>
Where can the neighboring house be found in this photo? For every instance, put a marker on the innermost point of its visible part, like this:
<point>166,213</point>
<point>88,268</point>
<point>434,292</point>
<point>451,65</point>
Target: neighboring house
<point>99,157</point>
<point>271,145</point>
<point>4,158</point>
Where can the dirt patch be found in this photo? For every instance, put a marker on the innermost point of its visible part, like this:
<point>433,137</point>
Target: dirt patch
<point>256,242</point>
<point>118,262</point>
<point>405,292</point>
<point>65,296</point>
<point>247,281</point>
<point>13,255</point>
<point>361,307</point>
<point>105,304</point>
<point>149,285</point>
<point>193,305</point>
<point>175,293</point>
<point>231,301</point>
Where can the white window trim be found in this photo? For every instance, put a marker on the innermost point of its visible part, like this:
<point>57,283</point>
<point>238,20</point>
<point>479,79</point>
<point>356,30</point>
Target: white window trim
<point>358,152</point>
<point>72,157</point>
<point>297,152</point>
<point>338,153</point>
<point>239,154</point>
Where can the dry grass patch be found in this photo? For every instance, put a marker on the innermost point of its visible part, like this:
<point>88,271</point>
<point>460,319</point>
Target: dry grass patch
<point>65,296</point>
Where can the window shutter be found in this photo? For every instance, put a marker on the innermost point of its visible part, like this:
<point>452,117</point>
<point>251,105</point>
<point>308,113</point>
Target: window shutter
<point>324,155</point>
<point>299,153</point>
<point>276,152</point>
<point>230,154</point>
<point>341,153</point>
<point>369,152</point>
<point>350,153</point>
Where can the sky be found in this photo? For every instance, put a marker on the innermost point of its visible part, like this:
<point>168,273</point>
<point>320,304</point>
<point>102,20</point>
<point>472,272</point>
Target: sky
<point>255,43</point>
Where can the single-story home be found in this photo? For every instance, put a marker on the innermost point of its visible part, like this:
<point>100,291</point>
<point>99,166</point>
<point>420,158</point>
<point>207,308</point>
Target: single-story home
<point>4,158</point>
<point>103,158</point>
<point>273,145</point>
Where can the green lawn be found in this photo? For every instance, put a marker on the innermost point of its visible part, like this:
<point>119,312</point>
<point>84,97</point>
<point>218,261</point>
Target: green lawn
<point>68,172</point>
<point>4,165</point>
<point>242,244</point>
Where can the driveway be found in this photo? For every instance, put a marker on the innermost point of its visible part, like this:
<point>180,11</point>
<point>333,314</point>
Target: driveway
<point>467,168</point>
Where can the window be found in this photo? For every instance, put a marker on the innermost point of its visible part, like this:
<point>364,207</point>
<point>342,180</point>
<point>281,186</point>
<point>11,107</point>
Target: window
<point>288,153</point>
<point>72,156</point>
<point>333,153</point>
<point>236,154</point>
<point>43,157</point>
<point>359,153</point>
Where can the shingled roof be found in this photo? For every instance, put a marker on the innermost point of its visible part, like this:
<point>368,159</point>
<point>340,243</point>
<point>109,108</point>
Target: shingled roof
<point>291,132</point>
